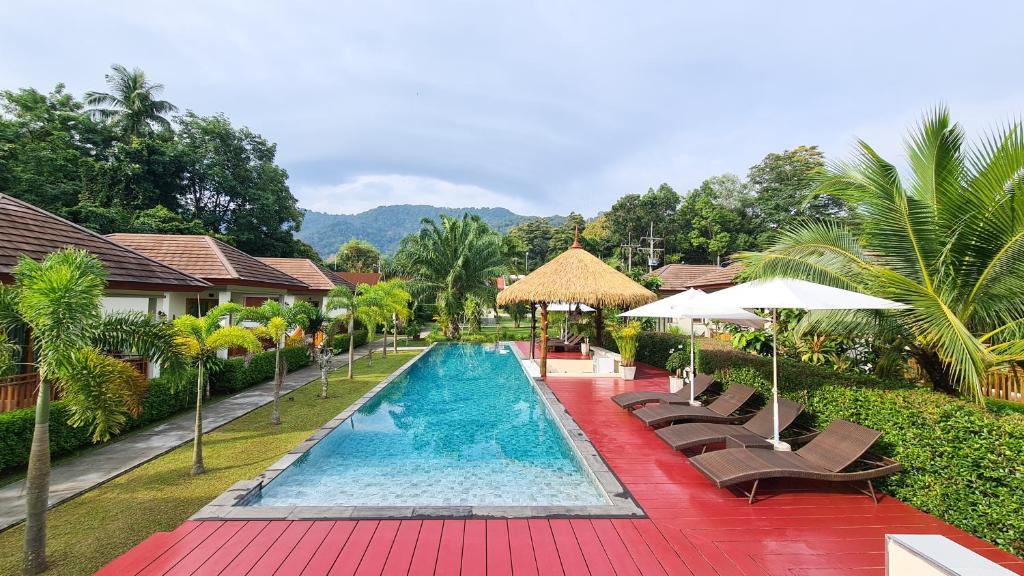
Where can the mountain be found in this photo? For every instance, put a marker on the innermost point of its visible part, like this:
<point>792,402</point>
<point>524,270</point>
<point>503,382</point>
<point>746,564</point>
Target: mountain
<point>385,226</point>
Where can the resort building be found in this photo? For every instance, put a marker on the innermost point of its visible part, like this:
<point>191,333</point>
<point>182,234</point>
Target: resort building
<point>357,278</point>
<point>234,276</point>
<point>135,282</point>
<point>676,278</point>
<point>319,281</point>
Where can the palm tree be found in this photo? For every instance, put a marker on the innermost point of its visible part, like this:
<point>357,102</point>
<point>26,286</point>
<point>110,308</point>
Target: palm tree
<point>59,300</point>
<point>200,340</point>
<point>353,305</point>
<point>946,238</point>
<point>386,301</point>
<point>449,262</point>
<point>275,320</point>
<point>132,103</point>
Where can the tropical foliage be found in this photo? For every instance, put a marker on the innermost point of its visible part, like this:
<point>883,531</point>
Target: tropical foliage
<point>120,162</point>
<point>59,300</point>
<point>626,337</point>
<point>946,237</point>
<point>450,262</point>
<point>200,339</point>
<point>274,320</point>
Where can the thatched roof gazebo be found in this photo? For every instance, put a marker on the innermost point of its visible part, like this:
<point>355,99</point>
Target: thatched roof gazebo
<point>575,276</point>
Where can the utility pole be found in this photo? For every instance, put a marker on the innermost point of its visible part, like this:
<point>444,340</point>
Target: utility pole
<point>652,252</point>
<point>628,249</point>
<point>527,267</point>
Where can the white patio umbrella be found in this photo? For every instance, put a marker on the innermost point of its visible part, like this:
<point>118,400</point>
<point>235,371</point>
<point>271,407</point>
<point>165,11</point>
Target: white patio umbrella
<point>568,307</point>
<point>691,304</point>
<point>791,293</point>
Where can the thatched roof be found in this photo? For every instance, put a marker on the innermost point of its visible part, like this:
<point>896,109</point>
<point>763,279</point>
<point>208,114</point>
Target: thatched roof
<point>577,276</point>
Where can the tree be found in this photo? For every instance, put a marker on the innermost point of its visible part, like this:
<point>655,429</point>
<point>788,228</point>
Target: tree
<point>566,234</point>
<point>633,214</point>
<point>160,220</point>
<point>132,104</point>
<point>535,234</point>
<point>450,262</point>
<point>274,321</point>
<point>382,303</point>
<point>232,185</point>
<point>353,305</point>
<point>357,256</point>
<point>200,339</point>
<point>947,238</point>
<point>782,184</point>
<point>713,220</point>
<point>59,300</point>
<point>597,235</point>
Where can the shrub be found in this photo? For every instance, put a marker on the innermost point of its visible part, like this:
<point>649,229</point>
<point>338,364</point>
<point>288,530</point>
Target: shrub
<point>961,462</point>
<point>341,341</point>
<point>478,338</point>
<point>232,375</point>
<point>436,336</point>
<point>162,400</point>
<point>626,338</point>
<point>653,348</point>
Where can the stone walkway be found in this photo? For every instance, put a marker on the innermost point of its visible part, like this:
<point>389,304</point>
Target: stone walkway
<point>77,475</point>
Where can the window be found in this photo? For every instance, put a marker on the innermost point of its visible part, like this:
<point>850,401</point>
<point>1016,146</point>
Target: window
<point>199,306</point>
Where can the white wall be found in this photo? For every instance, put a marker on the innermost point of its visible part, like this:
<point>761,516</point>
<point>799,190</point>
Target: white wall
<point>114,304</point>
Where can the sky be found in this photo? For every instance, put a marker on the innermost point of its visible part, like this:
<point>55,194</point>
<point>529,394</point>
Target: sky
<point>541,107</point>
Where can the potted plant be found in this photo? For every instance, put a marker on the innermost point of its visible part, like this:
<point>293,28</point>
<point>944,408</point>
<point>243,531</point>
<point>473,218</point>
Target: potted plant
<point>678,360</point>
<point>626,338</point>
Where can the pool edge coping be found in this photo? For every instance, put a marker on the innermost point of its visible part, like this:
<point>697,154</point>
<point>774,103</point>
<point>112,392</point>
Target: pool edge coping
<point>230,504</point>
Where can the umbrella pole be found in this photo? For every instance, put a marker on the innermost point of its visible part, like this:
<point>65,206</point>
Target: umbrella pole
<point>543,339</point>
<point>693,375</point>
<point>779,444</point>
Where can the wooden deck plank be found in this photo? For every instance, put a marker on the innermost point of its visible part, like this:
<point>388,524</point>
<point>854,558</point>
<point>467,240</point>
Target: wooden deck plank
<point>377,551</point>
<point>329,550</point>
<point>474,547</point>
<point>637,547</point>
<point>200,554</point>
<point>352,554</point>
<point>667,556</point>
<point>618,556</point>
<point>177,551</point>
<point>569,551</point>
<point>274,557</point>
<point>449,553</point>
<point>145,552</point>
<point>520,544</point>
<point>593,550</point>
<point>544,549</point>
<point>295,563</point>
<point>424,558</point>
<point>400,557</point>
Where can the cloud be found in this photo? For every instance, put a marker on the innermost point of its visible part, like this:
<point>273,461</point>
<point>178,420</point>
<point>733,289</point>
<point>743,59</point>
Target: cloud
<point>367,191</point>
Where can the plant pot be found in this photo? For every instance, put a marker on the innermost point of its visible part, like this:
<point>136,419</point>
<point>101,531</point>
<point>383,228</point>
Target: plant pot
<point>628,372</point>
<point>585,349</point>
<point>675,384</point>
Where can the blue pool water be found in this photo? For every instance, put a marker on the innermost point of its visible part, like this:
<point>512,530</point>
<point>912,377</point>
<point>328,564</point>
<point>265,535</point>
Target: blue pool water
<point>463,426</point>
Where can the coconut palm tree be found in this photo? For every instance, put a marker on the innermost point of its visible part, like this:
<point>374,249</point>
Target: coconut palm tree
<point>274,321</point>
<point>386,301</point>
<point>59,300</point>
<point>946,237</point>
<point>200,340</point>
<point>449,262</point>
<point>132,102</point>
<point>353,305</point>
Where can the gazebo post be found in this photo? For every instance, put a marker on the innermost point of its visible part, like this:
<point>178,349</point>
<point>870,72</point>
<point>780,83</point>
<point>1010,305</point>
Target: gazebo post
<point>599,326</point>
<point>533,330</point>
<point>543,339</point>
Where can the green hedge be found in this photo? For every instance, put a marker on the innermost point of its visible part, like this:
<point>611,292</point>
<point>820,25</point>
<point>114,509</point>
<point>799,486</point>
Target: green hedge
<point>653,347</point>
<point>341,341</point>
<point>232,375</point>
<point>163,399</point>
<point>961,462</point>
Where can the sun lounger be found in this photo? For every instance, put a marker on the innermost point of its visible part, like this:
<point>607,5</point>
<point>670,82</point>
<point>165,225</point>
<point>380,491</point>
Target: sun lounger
<point>838,454</point>
<point>557,344</point>
<point>721,410</point>
<point>630,400</point>
<point>752,433</point>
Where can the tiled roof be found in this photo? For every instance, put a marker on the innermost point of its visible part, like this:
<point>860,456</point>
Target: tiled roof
<point>679,277</point>
<point>304,269</point>
<point>357,278</point>
<point>34,232</point>
<point>209,259</point>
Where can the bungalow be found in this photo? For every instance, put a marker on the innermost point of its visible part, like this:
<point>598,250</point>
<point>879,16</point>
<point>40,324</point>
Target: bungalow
<point>319,280</point>
<point>677,278</point>
<point>357,278</point>
<point>234,276</point>
<point>135,282</point>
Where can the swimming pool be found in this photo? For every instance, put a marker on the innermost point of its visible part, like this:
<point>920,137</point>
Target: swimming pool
<point>462,426</point>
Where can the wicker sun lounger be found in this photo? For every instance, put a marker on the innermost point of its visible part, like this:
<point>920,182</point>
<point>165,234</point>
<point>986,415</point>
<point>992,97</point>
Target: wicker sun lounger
<point>721,410</point>
<point>630,400</point>
<point>837,454</point>
<point>557,344</point>
<point>754,432</point>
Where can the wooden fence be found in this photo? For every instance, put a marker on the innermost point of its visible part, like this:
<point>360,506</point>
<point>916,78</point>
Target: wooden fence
<point>1005,385</point>
<point>21,390</point>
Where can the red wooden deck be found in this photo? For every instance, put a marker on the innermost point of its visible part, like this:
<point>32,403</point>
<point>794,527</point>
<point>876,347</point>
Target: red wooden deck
<point>693,527</point>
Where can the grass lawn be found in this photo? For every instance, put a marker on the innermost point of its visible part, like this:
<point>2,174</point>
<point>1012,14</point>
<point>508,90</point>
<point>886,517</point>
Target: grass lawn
<point>89,531</point>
